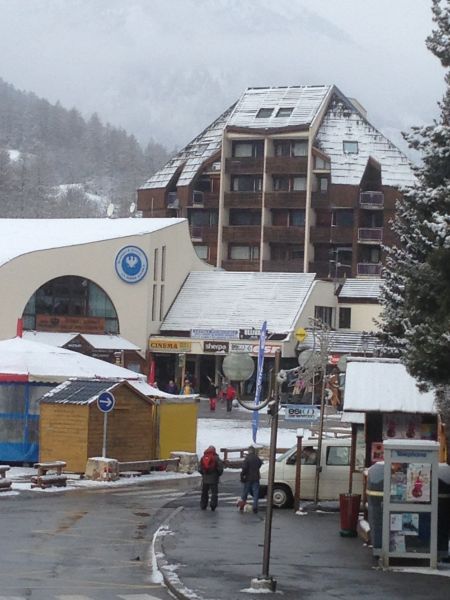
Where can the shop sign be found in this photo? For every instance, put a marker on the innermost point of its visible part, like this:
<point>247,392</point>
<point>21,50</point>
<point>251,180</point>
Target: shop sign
<point>159,345</point>
<point>302,413</point>
<point>67,324</point>
<point>216,347</point>
<point>249,334</point>
<point>131,264</point>
<point>215,334</point>
<point>269,350</point>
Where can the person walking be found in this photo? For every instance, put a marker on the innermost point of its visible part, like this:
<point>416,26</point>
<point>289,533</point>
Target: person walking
<point>211,468</point>
<point>212,394</point>
<point>230,395</point>
<point>250,476</point>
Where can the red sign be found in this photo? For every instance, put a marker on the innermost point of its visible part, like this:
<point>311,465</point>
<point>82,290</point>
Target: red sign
<point>70,324</point>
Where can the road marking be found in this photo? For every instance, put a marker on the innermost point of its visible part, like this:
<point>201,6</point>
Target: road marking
<point>139,597</point>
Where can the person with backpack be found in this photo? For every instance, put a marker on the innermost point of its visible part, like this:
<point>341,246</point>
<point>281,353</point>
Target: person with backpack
<point>211,468</point>
<point>250,478</point>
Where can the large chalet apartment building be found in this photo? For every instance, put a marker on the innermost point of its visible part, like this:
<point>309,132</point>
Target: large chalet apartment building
<point>287,179</point>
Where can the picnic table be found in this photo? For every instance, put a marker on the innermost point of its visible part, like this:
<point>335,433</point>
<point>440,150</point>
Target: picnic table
<point>48,474</point>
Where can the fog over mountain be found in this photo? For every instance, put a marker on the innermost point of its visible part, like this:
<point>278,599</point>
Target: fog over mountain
<point>164,69</point>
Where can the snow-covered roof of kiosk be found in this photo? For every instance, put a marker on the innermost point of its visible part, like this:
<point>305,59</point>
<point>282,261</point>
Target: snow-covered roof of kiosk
<point>383,385</point>
<point>97,341</point>
<point>21,236</point>
<point>40,362</point>
<point>233,300</point>
<point>361,288</point>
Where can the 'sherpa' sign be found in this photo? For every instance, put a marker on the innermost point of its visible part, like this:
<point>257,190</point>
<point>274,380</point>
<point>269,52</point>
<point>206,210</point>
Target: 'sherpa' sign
<point>303,413</point>
<point>216,347</point>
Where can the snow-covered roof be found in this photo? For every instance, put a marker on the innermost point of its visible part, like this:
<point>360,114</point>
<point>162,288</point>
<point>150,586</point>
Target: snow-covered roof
<point>148,390</point>
<point>344,342</point>
<point>21,236</point>
<point>233,300</point>
<point>40,362</point>
<point>383,385</point>
<point>304,100</point>
<point>99,342</point>
<point>343,122</point>
<point>361,288</point>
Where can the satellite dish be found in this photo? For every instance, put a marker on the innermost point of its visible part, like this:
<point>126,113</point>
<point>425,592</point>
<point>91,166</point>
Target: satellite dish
<point>110,210</point>
<point>132,208</point>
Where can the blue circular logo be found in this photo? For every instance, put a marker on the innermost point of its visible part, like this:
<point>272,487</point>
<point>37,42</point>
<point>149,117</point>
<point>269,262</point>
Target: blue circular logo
<point>131,264</point>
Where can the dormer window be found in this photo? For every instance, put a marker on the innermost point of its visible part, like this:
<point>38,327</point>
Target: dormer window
<point>264,113</point>
<point>350,147</point>
<point>284,112</point>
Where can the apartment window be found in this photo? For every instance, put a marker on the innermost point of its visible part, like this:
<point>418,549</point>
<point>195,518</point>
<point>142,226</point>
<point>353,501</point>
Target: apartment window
<point>300,148</point>
<point>297,217</point>
<point>248,149</point>
<point>155,264</point>
<point>342,218</point>
<point>203,218</point>
<point>282,148</point>
<point>284,112</point>
<point>163,263</point>
<point>244,252</point>
<point>281,184</point>
<point>264,113</point>
<point>323,184</point>
<point>202,252</point>
<point>244,217</point>
<point>345,318</point>
<point>246,183</point>
<point>321,163</point>
<point>350,147</point>
<point>324,314</point>
<point>299,184</point>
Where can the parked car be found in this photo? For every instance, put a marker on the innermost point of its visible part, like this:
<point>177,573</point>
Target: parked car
<point>334,476</point>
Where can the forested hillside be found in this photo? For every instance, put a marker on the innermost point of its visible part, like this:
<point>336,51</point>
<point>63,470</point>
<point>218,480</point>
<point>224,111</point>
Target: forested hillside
<point>54,163</point>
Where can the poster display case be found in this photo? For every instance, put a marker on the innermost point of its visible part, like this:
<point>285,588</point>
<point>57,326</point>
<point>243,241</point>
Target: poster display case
<point>410,501</point>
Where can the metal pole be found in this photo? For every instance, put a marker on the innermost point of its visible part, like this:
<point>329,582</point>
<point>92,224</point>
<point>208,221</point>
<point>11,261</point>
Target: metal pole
<point>105,428</point>
<point>319,443</point>
<point>298,471</point>
<point>271,474</point>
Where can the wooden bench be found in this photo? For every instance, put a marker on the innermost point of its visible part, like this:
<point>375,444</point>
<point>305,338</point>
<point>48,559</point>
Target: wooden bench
<point>48,474</point>
<point>130,469</point>
<point>5,484</point>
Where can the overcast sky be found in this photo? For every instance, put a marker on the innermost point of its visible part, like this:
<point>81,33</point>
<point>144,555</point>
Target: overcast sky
<point>167,68</point>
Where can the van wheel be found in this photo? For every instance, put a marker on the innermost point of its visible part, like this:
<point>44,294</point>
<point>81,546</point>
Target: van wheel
<point>282,496</point>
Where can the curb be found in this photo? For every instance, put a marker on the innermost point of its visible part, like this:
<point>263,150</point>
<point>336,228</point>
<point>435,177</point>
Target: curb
<point>170,577</point>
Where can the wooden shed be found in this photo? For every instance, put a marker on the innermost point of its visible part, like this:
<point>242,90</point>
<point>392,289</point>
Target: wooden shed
<point>71,424</point>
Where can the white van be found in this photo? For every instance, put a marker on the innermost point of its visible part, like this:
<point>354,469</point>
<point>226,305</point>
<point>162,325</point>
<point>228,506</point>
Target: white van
<point>334,475</point>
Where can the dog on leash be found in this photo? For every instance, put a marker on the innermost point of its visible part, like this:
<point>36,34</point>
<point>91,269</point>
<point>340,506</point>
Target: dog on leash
<point>243,506</point>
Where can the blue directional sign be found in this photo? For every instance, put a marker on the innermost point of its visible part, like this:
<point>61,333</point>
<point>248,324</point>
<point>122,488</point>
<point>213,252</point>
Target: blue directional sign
<point>106,402</point>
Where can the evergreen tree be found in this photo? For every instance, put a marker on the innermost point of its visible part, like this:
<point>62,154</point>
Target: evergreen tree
<point>416,295</point>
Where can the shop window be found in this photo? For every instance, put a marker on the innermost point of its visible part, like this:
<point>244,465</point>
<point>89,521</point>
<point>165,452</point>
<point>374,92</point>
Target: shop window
<point>202,252</point>
<point>264,113</point>
<point>350,147</point>
<point>246,183</point>
<point>248,149</point>
<point>345,318</point>
<point>244,252</point>
<point>324,314</point>
<point>244,217</point>
<point>71,296</point>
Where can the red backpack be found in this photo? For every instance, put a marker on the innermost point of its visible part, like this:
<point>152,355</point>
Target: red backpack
<point>208,462</point>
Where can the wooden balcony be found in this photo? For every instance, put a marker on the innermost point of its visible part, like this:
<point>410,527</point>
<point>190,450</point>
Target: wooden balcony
<point>370,235</point>
<point>320,235</point>
<point>283,234</point>
<point>285,200</point>
<point>204,200</point>
<point>369,269</point>
<point>240,265</point>
<point>294,265</point>
<point>248,234</point>
<point>287,165</point>
<point>243,200</point>
<point>244,166</point>
<point>320,200</point>
<point>205,234</point>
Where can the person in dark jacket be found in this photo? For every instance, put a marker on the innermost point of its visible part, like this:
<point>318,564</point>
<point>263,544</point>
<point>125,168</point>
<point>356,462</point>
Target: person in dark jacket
<point>250,478</point>
<point>211,468</point>
<point>212,394</point>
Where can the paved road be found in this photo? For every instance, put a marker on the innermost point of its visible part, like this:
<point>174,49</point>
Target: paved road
<point>82,545</point>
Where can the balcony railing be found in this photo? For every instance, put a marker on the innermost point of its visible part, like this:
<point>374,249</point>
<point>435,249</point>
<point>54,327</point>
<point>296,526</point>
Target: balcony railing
<point>243,200</point>
<point>285,199</point>
<point>244,165</point>
<point>371,200</point>
<point>369,269</point>
<point>203,233</point>
<point>280,233</point>
<point>286,165</point>
<point>240,265</point>
<point>370,235</point>
<point>242,233</point>
<point>204,200</point>
<point>294,265</point>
